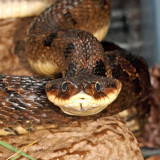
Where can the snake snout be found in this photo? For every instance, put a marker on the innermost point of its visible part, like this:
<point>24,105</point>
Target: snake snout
<point>83,100</point>
<point>81,97</point>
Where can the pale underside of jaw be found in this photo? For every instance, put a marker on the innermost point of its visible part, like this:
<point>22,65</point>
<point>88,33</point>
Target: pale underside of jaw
<point>82,104</point>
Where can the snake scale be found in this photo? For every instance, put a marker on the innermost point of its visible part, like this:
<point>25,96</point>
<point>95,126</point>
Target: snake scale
<point>96,80</point>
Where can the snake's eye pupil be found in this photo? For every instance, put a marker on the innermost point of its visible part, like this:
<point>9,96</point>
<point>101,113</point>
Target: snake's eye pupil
<point>97,86</point>
<point>64,86</point>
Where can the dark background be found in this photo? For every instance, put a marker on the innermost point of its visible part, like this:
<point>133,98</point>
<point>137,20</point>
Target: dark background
<point>135,25</point>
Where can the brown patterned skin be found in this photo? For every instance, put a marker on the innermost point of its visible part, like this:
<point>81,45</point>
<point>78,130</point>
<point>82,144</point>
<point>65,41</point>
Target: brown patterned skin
<point>54,33</point>
<point>132,72</point>
<point>25,96</point>
<point>54,44</point>
<point>23,99</point>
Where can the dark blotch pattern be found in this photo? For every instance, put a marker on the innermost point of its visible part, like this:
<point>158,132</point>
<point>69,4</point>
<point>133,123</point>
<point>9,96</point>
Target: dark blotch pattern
<point>68,17</point>
<point>113,85</point>
<point>137,85</point>
<point>99,69</point>
<point>71,69</point>
<point>117,71</point>
<point>49,39</point>
<point>68,50</point>
<point>53,86</point>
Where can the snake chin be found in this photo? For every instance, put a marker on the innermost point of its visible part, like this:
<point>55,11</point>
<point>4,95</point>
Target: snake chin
<point>83,104</point>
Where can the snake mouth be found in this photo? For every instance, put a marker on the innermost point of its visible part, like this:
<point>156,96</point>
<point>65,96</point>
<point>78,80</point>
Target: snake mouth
<point>83,104</point>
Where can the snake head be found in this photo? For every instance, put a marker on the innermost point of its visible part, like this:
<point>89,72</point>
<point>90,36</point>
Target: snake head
<point>83,95</point>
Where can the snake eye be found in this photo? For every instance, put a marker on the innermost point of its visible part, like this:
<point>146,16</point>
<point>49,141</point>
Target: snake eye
<point>64,86</point>
<point>97,86</point>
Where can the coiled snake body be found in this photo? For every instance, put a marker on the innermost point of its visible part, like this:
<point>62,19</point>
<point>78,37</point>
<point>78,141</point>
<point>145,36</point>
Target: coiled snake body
<point>61,40</point>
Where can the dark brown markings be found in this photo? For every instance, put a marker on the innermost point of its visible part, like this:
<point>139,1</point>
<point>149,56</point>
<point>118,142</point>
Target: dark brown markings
<point>113,85</point>
<point>71,69</point>
<point>49,39</point>
<point>99,69</point>
<point>117,71</point>
<point>68,18</point>
<point>11,130</point>
<point>137,85</point>
<point>68,50</point>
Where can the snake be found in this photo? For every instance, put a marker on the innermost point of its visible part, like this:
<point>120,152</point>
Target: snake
<point>82,77</point>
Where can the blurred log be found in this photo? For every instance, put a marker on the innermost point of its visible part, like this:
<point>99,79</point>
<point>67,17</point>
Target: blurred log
<point>104,138</point>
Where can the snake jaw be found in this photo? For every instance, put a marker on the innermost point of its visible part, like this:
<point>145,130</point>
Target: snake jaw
<point>82,104</point>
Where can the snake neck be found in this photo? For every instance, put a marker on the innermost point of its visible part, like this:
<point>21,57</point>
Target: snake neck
<point>70,52</point>
<point>61,37</point>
